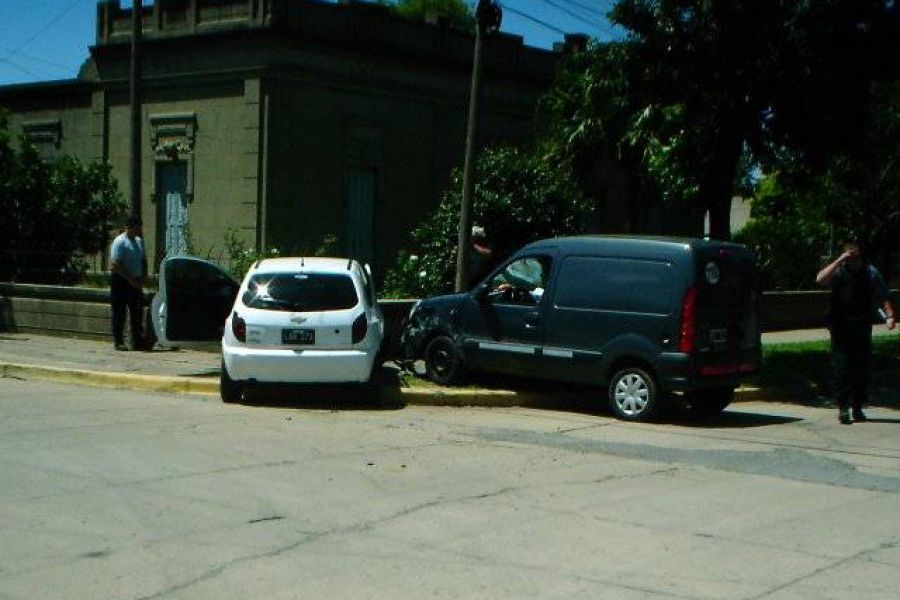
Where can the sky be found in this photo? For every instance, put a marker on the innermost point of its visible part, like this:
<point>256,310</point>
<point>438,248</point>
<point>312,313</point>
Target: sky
<point>42,40</point>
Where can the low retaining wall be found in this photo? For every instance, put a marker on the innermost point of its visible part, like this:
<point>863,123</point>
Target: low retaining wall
<point>85,312</point>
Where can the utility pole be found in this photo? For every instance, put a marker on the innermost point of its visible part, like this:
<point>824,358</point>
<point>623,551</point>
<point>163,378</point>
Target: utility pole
<point>488,16</point>
<point>135,89</point>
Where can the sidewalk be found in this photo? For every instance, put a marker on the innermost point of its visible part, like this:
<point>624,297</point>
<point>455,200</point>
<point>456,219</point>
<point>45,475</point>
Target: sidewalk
<point>190,371</point>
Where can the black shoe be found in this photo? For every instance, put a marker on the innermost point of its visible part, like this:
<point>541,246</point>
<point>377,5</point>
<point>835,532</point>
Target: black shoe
<point>121,347</point>
<point>844,417</point>
<point>859,416</point>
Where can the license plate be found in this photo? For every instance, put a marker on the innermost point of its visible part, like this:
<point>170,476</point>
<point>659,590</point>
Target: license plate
<point>298,336</point>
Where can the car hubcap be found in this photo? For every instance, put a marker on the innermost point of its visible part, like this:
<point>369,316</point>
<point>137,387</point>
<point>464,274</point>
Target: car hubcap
<point>631,394</point>
<point>440,361</point>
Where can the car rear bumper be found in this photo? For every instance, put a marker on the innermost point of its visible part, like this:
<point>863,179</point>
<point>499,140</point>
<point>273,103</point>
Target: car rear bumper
<point>298,365</point>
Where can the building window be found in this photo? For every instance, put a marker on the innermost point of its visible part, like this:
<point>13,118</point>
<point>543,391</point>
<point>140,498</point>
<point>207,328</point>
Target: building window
<point>45,136</point>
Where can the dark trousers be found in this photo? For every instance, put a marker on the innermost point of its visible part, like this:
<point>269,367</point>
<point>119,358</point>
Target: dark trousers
<point>851,352</point>
<point>125,297</point>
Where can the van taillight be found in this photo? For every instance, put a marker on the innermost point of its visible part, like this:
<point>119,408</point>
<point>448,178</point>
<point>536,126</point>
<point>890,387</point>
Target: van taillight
<point>688,321</point>
<point>360,327</point>
<point>239,327</point>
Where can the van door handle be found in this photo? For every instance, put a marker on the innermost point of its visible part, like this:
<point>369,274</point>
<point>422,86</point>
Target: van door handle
<point>530,320</point>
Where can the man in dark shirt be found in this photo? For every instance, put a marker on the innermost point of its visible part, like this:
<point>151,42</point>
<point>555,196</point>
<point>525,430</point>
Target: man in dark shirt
<point>857,292</point>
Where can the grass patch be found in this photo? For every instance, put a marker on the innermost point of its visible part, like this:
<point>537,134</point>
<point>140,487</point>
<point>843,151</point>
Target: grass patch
<point>808,364</point>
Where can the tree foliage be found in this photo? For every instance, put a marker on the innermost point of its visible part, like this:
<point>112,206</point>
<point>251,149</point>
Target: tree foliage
<point>699,99</point>
<point>519,198</point>
<point>701,89</point>
<point>456,12</point>
<point>799,216</point>
<point>52,215</point>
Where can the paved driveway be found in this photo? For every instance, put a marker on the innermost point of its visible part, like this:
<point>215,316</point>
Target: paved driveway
<point>112,494</point>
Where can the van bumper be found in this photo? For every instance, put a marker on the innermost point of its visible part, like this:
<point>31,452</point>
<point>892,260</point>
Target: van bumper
<point>679,372</point>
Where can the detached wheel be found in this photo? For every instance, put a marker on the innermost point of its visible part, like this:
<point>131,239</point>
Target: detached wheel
<point>443,364</point>
<point>708,403</point>
<point>632,394</point>
<point>229,389</point>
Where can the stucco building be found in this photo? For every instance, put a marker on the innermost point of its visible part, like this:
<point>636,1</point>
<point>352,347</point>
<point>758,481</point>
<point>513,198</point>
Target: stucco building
<point>287,121</point>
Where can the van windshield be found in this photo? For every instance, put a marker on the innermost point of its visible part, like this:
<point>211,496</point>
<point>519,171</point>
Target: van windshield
<point>301,292</point>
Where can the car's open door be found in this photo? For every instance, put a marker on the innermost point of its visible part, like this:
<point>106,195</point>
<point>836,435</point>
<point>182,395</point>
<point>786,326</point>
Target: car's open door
<point>193,301</point>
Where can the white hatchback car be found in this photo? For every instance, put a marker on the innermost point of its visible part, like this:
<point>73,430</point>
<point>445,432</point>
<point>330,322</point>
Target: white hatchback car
<point>292,320</point>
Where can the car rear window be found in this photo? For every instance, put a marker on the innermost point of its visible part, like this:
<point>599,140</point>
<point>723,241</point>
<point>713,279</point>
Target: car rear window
<point>301,292</point>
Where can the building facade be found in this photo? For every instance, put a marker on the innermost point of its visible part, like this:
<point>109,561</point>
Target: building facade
<point>286,122</point>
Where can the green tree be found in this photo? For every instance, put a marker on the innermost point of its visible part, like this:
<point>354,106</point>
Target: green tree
<point>519,198</point>
<point>456,12</point>
<point>52,215</point>
<point>800,216</point>
<point>701,88</point>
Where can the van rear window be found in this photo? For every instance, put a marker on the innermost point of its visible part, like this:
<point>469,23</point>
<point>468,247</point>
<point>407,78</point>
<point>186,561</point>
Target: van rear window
<point>300,292</point>
<point>617,284</point>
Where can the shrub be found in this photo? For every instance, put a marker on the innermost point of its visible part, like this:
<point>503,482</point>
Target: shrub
<point>519,198</point>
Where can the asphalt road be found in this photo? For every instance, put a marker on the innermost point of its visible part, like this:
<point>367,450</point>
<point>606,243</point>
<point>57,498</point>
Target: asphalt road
<point>114,494</point>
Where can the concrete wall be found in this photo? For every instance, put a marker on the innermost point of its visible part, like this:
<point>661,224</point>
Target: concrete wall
<point>84,312</point>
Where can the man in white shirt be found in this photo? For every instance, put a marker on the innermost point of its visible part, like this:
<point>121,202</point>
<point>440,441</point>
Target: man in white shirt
<point>128,265</point>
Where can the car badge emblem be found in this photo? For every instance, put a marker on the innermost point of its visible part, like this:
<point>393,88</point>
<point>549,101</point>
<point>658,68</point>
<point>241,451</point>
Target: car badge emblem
<point>712,273</point>
<point>298,319</point>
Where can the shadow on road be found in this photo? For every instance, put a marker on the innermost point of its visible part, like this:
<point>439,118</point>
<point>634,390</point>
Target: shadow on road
<point>734,417</point>
<point>329,397</point>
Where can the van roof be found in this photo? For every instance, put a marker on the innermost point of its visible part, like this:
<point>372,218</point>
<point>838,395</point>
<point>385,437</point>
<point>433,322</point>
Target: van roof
<point>628,243</point>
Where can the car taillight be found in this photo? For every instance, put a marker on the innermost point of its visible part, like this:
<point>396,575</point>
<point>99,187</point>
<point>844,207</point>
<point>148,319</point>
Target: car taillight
<point>239,327</point>
<point>360,327</point>
<point>688,321</point>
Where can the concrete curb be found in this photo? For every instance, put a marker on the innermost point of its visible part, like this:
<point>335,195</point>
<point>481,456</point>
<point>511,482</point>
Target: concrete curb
<point>135,381</point>
<point>414,396</point>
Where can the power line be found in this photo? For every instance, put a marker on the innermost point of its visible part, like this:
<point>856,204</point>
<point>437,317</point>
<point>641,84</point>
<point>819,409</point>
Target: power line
<point>32,58</point>
<point>49,24</point>
<point>589,9</point>
<point>19,67</point>
<point>534,19</point>
<point>579,17</point>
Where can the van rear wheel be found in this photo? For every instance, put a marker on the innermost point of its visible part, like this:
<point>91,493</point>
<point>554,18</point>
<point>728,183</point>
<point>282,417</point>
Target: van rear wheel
<point>633,395</point>
<point>443,364</point>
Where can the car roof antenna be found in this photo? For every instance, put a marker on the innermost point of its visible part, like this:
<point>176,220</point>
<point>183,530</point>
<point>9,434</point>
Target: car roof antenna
<point>349,263</point>
<point>301,262</point>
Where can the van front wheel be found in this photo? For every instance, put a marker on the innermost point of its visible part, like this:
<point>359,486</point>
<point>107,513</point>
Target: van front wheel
<point>632,394</point>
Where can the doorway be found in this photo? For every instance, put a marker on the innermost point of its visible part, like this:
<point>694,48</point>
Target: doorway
<point>171,209</point>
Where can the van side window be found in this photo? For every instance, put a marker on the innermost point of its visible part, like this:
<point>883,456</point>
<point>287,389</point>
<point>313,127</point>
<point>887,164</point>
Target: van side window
<point>617,284</point>
<point>522,281</point>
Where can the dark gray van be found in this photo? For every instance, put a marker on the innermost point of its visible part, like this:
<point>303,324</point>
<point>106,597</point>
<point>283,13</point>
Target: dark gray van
<point>640,316</point>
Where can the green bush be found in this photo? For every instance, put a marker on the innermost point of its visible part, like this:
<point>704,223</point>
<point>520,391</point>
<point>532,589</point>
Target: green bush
<point>519,198</point>
<point>52,215</point>
<point>789,233</point>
